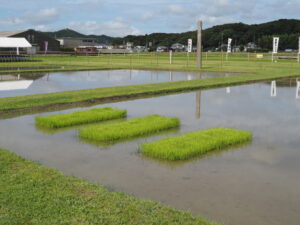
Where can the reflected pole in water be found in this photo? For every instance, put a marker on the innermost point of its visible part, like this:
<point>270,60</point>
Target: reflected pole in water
<point>171,76</point>
<point>273,89</point>
<point>198,104</point>
<point>228,90</point>
<point>130,75</point>
<point>298,90</point>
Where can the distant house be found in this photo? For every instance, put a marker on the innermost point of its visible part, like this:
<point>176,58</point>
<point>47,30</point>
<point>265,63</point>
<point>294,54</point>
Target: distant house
<point>101,46</point>
<point>251,46</point>
<point>236,48</point>
<point>140,48</point>
<point>71,42</point>
<point>177,47</point>
<point>161,49</point>
<point>86,50</point>
<point>35,38</point>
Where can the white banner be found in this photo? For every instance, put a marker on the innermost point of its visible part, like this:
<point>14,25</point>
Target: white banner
<point>299,47</point>
<point>190,45</point>
<point>229,45</point>
<point>275,45</point>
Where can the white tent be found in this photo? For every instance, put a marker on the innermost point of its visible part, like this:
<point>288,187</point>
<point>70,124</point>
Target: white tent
<point>12,42</point>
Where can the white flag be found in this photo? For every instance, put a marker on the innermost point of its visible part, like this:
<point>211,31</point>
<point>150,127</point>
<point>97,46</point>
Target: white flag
<point>299,47</point>
<point>275,44</point>
<point>229,45</point>
<point>190,45</point>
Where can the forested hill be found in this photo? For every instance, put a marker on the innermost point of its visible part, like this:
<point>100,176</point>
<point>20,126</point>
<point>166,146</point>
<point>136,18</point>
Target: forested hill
<point>287,29</point>
<point>74,34</point>
<point>261,34</point>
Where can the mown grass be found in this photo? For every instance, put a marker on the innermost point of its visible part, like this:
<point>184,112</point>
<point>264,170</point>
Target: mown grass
<point>129,129</point>
<point>35,195</point>
<point>80,117</point>
<point>195,143</point>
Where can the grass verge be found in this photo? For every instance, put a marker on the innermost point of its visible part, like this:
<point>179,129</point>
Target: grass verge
<point>129,129</point>
<point>9,104</point>
<point>254,70</point>
<point>195,143</point>
<point>79,117</point>
<point>33,194</point>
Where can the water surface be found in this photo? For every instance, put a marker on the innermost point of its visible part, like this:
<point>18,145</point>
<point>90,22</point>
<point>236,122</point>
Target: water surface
<point>38,83</point>
<point>258,183</point>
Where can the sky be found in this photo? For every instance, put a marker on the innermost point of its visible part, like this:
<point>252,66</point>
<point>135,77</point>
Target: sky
<point>118,18</point>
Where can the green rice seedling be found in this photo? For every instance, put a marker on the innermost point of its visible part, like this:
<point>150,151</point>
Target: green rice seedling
<point>195,143</point>
<point>129,129</point>
<point>80,117</point>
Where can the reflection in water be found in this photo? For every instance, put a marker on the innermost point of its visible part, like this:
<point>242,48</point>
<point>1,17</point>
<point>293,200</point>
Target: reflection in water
<point>273,89</point>
<point>171,76</point>
<point>15,85</point>
<point>67,81</point>
<point>198,104</point>
<point>298,90</point>
<point>228,90</point>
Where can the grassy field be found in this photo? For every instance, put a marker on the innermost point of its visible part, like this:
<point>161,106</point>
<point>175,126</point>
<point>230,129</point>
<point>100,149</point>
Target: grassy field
<point>35,195</point>
<point>252,68</point>
<point>80,117</point>
<point>195,143</point>
<point>129,129</point>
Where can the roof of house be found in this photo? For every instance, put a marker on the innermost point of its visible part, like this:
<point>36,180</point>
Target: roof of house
<point>12,42</point>
<point>10,33</point>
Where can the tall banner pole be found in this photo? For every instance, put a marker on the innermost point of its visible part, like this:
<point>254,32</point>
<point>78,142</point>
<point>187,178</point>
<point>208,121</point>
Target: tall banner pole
<point>299,51</point>
<point>199,45</point>
<point>275,47</point>
<point>46,47</point>
<point>189,50</point>
<point>228,47</point>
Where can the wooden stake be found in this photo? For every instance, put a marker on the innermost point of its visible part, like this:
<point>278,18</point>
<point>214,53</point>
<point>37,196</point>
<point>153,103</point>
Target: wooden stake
<point>199,45</point>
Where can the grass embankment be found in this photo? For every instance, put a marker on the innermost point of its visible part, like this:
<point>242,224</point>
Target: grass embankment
<point>195,143</point>
<point>124,92</point>
<point>80,117</point>
<point>261,70</point>
<point>129,129</point>
<point>33,194</point>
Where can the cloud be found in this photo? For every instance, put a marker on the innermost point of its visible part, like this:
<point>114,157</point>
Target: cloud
<point>176,9</point>
<point>117,27</point>
<point>147,16</point>
<point>40,18</point>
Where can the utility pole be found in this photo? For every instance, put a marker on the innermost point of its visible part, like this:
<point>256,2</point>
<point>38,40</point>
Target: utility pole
<point>199,45</point>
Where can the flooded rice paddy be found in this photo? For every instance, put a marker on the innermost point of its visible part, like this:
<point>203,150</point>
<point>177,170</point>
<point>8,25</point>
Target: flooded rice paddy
<point>257,183</point>
<point>26,84</point>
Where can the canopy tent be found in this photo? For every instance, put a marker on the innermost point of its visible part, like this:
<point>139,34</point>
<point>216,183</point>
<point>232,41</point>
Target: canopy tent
<point>12,42</point>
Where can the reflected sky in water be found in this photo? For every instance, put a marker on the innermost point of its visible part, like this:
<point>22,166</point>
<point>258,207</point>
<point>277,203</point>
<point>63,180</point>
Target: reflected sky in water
<point>257,183</point>
<point>67,81</point>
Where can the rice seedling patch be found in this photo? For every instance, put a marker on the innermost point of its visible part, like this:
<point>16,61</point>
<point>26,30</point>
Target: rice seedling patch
<point>129,129</point>
<point>195,143</point>
<point>80,117</point>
